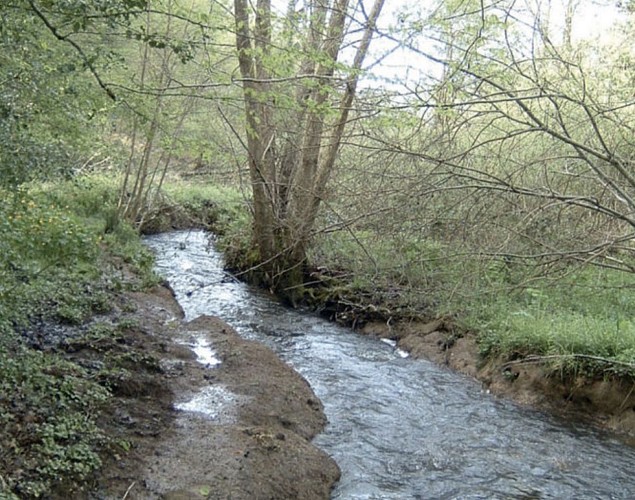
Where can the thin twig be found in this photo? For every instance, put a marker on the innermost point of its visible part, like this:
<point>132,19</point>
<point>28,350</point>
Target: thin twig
<point>65,38</point>
<point>627,397</point>
<point>535,359</point>
<point>128,490</point>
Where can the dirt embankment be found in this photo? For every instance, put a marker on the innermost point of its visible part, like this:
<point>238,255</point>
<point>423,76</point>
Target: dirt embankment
<point>609,402</point>
<point>245,426</point>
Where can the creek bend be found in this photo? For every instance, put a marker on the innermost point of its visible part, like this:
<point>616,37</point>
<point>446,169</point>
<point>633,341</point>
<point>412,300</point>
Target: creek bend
<point>402,428</point>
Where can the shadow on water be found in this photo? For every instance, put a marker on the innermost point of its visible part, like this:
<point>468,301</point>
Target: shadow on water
<point>402,428</point>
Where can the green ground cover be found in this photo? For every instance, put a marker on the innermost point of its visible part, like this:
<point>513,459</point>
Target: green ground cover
<point>57,244</point>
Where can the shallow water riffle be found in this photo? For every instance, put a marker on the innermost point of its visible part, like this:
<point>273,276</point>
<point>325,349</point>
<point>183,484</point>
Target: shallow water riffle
<point>401,428</point>
<point>204,352</point>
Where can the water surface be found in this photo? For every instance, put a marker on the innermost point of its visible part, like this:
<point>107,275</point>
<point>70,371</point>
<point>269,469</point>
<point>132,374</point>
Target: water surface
<point>402,428</point>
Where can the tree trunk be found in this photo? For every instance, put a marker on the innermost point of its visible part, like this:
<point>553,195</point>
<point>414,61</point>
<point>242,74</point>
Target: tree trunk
<point>289,185</point>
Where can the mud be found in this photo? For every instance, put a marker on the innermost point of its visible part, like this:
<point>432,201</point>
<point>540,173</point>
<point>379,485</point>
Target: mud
<point>251,441</point>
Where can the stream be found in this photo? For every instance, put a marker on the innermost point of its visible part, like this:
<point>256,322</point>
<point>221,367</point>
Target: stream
<point>401,428</point>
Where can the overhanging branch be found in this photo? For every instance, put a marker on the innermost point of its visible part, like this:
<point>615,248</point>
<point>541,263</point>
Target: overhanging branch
<point>66,38</point>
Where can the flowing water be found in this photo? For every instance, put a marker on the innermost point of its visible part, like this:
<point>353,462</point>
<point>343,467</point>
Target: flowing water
<point>402,428</point>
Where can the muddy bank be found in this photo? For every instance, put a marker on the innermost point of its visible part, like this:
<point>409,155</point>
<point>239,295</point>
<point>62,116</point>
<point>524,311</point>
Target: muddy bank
<point>609,402</point>
<point>244,427</point>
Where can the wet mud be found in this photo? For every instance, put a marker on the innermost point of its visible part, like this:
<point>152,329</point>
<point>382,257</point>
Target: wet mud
<point>238,427</point>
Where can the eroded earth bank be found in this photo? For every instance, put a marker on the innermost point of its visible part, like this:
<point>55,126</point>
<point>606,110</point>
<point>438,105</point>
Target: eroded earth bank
<point>607,402</point>
<point>245,423</point>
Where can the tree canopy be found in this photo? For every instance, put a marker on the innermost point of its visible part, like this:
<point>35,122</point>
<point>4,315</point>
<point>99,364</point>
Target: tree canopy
<point>503,117</point>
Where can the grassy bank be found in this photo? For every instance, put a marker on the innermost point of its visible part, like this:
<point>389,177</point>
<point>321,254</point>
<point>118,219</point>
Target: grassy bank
<point>61,255</point>
<point>567,314</point>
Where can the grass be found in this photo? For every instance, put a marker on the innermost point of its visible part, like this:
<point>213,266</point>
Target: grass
<point>587,313</point>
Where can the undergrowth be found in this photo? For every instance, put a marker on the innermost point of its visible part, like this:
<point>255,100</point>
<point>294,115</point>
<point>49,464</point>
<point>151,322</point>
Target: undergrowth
<point>59,254</point>
<point>568,314</point>
<point>586,314</point>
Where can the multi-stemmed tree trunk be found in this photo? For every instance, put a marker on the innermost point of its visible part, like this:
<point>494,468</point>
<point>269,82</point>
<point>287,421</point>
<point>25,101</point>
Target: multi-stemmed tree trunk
<point>295,119</point>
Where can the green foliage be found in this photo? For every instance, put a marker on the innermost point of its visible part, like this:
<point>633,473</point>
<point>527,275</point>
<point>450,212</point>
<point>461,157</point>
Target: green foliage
<point>47,234</point>
<point>46,256</point>
<point>50,109</point>
<point>51,237</point>
<point>123,242</point>
<point>55,267</point>
<point>586,313</point>
<point>197,195</point>
<point>516,310</point>
<point>411,275</point>
<point>92,197</point>
<point>46,410</point>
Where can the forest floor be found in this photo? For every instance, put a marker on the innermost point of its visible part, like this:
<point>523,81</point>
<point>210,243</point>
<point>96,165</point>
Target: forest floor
<point>250,437</point>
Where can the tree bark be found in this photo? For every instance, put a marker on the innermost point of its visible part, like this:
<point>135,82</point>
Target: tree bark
<point>288,185</point>
<point>259,134</point>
